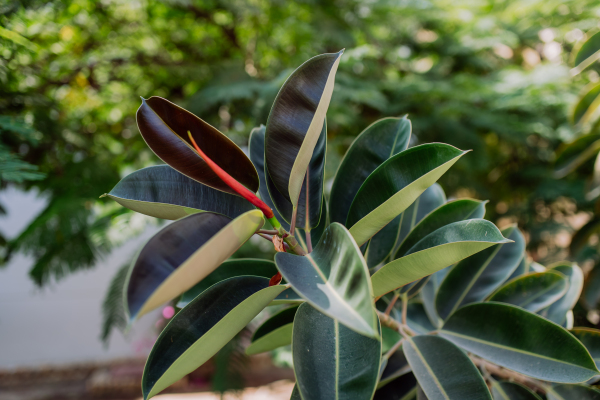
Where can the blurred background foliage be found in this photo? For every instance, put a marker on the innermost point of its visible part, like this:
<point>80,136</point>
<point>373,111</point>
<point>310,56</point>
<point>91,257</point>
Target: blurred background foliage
<point>492,76</point>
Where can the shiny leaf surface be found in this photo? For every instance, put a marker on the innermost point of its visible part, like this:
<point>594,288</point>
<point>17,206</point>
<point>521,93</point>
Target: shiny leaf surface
<point>557,312</point>
<point>441,248</point>
<point>162,192</point>
<point>474,278</point>
<point>334,279</point>
<point>229,269</point>
<point>452,211</point>
<point>296,121</point>
<point>533,291</point>
<point>435,363</point>
<point>332,361</point>
<point>591,340</point>
<point>205,325</point>
<point>378,142</point>
<point>164,127</point>
<point>383,243</point>
<point>519,340</point>
<point>182,254</point>
<point>588,49</point>
<point>274,332</point>
<point>395,185</point>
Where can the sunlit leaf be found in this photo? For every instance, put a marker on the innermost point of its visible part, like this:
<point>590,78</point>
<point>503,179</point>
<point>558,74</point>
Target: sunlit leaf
<point>205,325</point>
<point>334,279</point>
<point>572,155</point>
<point>229,269</point>
<point>436,363</point>
<point>519,340</point>
<point>332,361</point>
<point>588,104</point>
<point>441,248</point>
<point>378,142</point>
<point>164,127</point>
<point>274,332</point>
<point>474,278</point>
<point>395,185</point>
<point>182,254</point>
<point>296,121</point>
<point>162,192</point>
<point>588,52</point>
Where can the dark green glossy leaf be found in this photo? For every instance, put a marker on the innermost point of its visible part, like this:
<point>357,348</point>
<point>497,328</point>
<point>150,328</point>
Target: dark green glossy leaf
<point>587,105</point>
<point>573,392</point>
<point>505,390</point>
<point>229,269</point>
<point>588,49</point>
<point>274,332</point>
<point>164,127</point>
<point>332,361</point>
<point>532,292</point>
<point>182,254</point>
<point>378,142</point>
<point>296,121</point>
<point>591,340</point>
<point>334,278</point>
<point>402,388</point>
<point>395,185</point>
<point>205,325</point>
<point>557,312</point>
<point>162,192</point>
<point>417,319</point>
<point>256,149</point>
<point>453,211</point>
<point>276,200</point>
<point>383,243</point>
<point>396,366</point>
<point>443,371</point>
<point>519,340</point>
<point>296,394</point>
<point>428,296</point>
<point>441,248</point>
<point>474,278</point>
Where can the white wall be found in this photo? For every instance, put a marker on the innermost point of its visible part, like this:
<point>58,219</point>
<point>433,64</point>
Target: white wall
<point>61,323</point>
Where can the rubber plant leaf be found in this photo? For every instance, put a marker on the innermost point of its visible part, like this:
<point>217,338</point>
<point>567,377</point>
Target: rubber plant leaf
<point>164,126</point>
<point>332,361</point>
<point>591,340</point>
<point>505,390</point>
<point>441,248</point>
<point>229,269</point>
<point>383,243</point>
<point>378,142</point>
<point>521,341</point>
<point>182,254</point>
<point>475,278</point>
<point>296,121</point>
<point>160,191</point>
<point>395,185</point>
<point>557,311</point>
<point>532,292</point>
<point>334,279</point>
<point>435,362</point>
<point>572,392</point>
<point>204,326</point>
<point>275,199</point>
<point>274,332</point>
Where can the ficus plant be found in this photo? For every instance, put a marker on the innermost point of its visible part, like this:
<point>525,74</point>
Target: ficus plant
<point>383,287</point>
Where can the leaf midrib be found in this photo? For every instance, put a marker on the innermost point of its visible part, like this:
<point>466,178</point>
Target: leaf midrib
<point>426,365</point>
